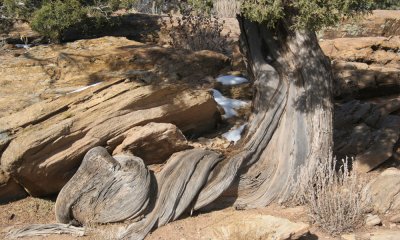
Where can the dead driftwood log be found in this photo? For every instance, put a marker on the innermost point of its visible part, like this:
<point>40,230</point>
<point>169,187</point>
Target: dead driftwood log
<point>291,125</point>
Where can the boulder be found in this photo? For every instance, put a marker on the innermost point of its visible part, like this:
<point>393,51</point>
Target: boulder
<point>365,67</point>
<point>153,142</point>
<point>47,148</point>
<point>369,132</point>
<point>43,138</point>
<point>243,225</point>
<point>385,191</point>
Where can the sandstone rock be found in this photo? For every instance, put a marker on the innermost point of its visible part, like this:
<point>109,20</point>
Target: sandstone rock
<point>366,131</point>
<point>372,220</point>
<point>385,191</point>
<point>370,50</point>
<point>380,235</point>
<point>141,142</point>
<point>348,237</point>
<point>45,154</point>
<point>365,67</point>
<point>395,218</point>
<point>365,81</point>
<point>43,137</point>
<point>9,189</point>
<point>379,151</point>
<point>255,226</point>
<point>45,72</point>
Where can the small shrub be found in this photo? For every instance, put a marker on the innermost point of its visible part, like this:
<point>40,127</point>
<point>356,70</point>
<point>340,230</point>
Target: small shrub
<point>55,17</point>
<point>387,4</point>
<point>203,6</point>
<point>196,32</point>
<point>20,9</point>
<point>335,196</point>
<point>5,25</point>
<point>2,42</point>
<point>151,6</point>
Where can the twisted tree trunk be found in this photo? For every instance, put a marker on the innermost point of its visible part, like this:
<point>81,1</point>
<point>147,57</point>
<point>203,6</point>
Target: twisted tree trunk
<point>291,125</point>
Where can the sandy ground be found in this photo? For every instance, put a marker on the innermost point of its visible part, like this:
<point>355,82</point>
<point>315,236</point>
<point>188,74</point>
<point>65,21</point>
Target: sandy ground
<point>33,210</point>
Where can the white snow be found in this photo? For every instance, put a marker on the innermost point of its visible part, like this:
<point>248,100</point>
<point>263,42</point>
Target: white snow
<point>229,105</point>
<point>231,80</point>
<point>234,134</point>
<point>84,88</point>
<point>26,46</point>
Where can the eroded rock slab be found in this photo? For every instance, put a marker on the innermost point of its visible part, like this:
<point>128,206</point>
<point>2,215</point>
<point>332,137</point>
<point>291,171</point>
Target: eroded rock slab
<point>46,151</point>
<point>367,132</point>
<point>385,191</point>
<point>43,140</point>
<point>365,67</point>
<point>380,235</point>
<point>154,142</point>
<point>47,71</point>
<point>255,226</point>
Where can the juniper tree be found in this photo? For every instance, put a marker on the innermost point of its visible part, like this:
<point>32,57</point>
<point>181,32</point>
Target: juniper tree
<point>292,112</point>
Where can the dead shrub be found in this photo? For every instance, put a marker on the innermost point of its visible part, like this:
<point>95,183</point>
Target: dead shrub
<point>226,8</point>
<point>335,195</point>
<point>195,31</point>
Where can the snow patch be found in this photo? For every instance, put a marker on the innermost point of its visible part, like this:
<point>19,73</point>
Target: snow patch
<point>84,88</point>
<point>231,80</point>
<point>229,105</point>
<point>26,46</point>
<point>235,134</point>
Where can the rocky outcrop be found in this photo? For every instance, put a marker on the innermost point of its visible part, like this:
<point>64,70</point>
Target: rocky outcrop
<point>44,72</point>
<point>365,67</point>
<point>43,144</point>
<point>141,142</point>
<point>385,191</point>
<point>242,225</point>
<point>46,148</point>
<point>366,131</point>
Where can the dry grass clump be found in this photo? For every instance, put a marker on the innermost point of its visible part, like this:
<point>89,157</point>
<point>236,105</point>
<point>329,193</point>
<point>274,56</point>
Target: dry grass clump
<point>226,8</point>
<point>194,31</point>
<point>335,196</point>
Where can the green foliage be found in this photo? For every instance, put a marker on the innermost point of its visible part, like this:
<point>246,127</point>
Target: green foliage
<point>387,4</point>
<point>21,9</point>
<point>204,6</point>
<point>55,17</point>
<point>269,11</point>
<point>304,14</point>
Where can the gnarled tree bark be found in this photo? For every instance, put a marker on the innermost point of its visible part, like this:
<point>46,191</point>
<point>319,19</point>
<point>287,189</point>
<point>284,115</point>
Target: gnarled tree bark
<point>291,125</point>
